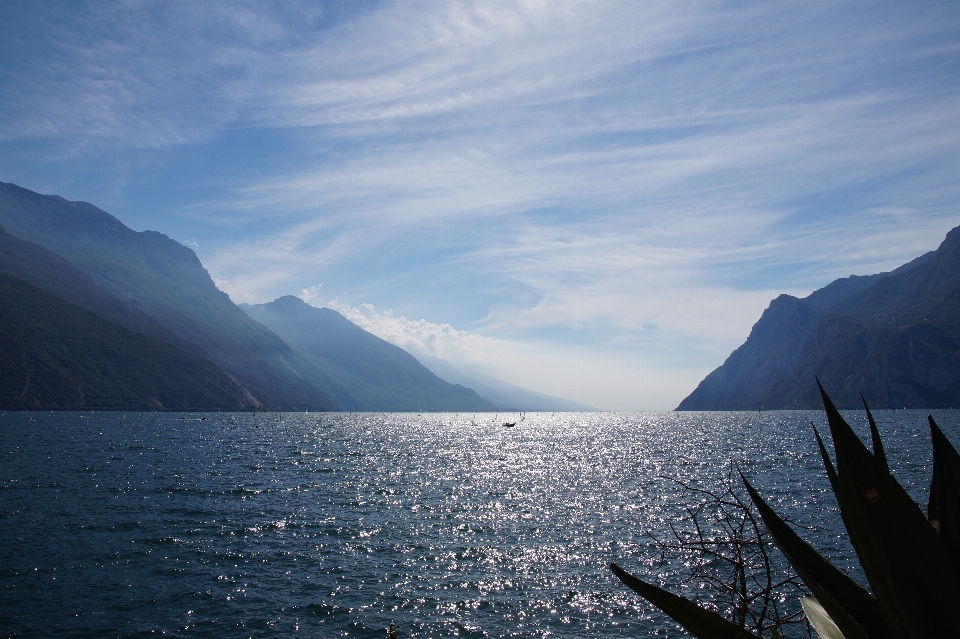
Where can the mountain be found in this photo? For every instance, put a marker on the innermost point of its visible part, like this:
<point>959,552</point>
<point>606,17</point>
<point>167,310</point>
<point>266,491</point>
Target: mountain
<point>48,271</point>
<point>894,337</point>
<point>56,355</point>
<point>377,375</point>
<point>504,396</point>
<point>174,297</point>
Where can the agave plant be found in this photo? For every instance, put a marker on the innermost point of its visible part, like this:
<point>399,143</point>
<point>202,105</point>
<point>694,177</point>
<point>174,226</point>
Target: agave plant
<point>911,561</point>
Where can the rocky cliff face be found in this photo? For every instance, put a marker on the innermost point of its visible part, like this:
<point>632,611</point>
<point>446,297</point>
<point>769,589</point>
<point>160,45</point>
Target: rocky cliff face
<point>894,337</point>
<point>768,355</point>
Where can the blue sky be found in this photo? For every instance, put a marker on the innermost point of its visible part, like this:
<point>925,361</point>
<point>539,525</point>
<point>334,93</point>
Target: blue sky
<point>595,200</point>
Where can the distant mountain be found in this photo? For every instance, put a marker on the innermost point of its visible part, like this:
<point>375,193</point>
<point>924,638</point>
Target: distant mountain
<point>377,375</point>
<point>506,397</point>
<point>56,355</point>
<point>894,337</point>
<point>50,272</point>
<point>175,299</point>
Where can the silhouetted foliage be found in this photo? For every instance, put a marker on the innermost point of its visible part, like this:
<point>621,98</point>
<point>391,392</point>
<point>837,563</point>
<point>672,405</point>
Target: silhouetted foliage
<point>907,557</point>
<point>721,542</point>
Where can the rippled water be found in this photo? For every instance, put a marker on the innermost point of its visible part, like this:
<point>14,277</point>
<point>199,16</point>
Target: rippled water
<point>334,525</point>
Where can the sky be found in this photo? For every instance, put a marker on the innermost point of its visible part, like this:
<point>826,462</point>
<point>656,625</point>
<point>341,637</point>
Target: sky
<point>594,200</point>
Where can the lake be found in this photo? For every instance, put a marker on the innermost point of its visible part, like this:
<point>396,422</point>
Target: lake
<point>334,525</point>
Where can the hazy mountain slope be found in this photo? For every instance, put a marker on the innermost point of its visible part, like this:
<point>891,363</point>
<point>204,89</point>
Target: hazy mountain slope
<point>379,375</point>
<point>894,336</point>
<point>165,280</point>
<point>48,271</point>
<point>56,355</point>
<point>506,397</point>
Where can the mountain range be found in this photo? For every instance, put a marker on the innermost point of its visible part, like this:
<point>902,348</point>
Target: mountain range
<point>57,355</point>
<point>379,375</point>
<point>95,315</point>
<point>893,338</point>
<point>164,281</point>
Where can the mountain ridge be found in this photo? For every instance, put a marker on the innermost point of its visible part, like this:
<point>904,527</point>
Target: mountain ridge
<point>166,281</point>
<point>863,334</point>
<point>57,355</point>
<point>144,287</point>
<point>379,375</point>
<point>49,272</point>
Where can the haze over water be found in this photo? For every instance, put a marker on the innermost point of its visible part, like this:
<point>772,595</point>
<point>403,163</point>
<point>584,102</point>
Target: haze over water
<point>334,525</point>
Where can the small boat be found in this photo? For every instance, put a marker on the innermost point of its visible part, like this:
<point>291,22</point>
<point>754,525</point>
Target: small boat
<point>512,424</point>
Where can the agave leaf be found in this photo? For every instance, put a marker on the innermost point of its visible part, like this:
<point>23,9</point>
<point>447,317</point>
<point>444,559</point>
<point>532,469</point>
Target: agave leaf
<point>853,609</point>
<point>875,436</point>
<point>943,508</point>
<point>902,557</point>
<point>698,621</point>
<point>831,473</point>
<point>820,620</point>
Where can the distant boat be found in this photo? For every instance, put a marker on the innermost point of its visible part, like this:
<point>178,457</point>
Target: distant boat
<point>512,424</point>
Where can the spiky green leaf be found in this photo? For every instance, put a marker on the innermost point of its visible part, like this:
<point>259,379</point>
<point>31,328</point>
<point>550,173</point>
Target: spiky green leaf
<point>698,621</point>
<point>821,621</point>
<point>853,609</point>
<point>902,557</point>
<point>827,464</point>
<point>943,508</point>
<point>875,436</point>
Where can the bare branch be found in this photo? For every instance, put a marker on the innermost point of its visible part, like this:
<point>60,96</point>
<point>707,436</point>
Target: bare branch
<point>722,544</point>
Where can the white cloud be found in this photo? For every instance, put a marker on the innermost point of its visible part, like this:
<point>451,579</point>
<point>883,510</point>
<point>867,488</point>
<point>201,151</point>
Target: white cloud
<point>608,380</point>
<point>541,367</point>
<point>421,337</point>
<point>310,293</point>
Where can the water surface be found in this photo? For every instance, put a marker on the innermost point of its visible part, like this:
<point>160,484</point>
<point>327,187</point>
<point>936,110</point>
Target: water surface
<point>334,525</point>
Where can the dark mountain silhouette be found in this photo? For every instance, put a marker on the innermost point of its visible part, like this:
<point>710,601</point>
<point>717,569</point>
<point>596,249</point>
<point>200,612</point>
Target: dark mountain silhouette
<point>377,374</point>
<point>894,337</point>
<point>166,283</point>
<point>56,355</point>
<point>158,292</point>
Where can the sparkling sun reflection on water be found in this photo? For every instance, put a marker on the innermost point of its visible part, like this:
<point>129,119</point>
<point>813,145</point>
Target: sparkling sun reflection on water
<point>334,525</point>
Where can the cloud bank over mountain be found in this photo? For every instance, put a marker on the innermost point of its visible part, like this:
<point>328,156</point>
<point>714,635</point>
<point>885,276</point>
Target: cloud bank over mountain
<point>573,373</point>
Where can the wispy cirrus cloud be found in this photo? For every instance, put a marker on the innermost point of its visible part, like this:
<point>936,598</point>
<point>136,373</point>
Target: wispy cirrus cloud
<point>619,182</point>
